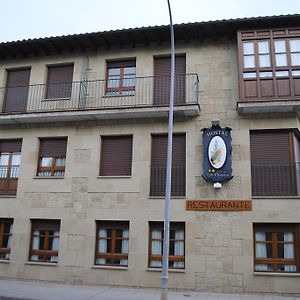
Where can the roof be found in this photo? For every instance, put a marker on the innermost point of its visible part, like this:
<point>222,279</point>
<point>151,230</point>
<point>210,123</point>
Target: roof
<point>139,37</point>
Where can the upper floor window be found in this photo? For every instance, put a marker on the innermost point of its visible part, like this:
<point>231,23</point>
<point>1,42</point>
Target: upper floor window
<point>10,158</point>
<point>121,78</point>
<point>116,155</point>
<point>275,162</point>
<point>5,238</point>
<point>44,240</point>
<point>276,247</point>
<point>52,157</point>
<point>59,81</point>
<point>269,64</point>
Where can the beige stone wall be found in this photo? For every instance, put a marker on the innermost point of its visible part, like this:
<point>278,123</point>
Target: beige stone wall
<point>219,247</point>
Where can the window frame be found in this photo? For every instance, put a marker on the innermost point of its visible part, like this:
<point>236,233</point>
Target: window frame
<point>120,90</point>
<point>53,168</point>
<point>159,226</point>
<point>275,229</point>
<point>47,226</point>
<point>114,254</point>
<point>4,249</point>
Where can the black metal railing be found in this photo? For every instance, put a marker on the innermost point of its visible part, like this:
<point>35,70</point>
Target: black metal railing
<point>9,180</point>
<point>274,180</point>
<point>158,180</point>
<point>99,94</point>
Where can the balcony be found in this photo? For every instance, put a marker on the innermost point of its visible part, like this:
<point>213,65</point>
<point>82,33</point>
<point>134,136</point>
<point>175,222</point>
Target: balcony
<point>147,97</point>
<point>8,180</point>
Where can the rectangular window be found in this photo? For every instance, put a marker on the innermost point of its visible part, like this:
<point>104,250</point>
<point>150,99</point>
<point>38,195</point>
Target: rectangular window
<point>121,78</point>
<point>276,248</point>
<point>275,162</point>
<point>10,158</point>
<point>52,157</point>
<point>112,243</point>
<point>116,155</point>
<point>5,238</point>
<point>159,165</point>
<point>269,64</point>
<point>176,246</point>
<point>44,243</point>
<point>59,81</point>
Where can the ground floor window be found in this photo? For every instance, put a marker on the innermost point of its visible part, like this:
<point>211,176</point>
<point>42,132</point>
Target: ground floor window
<point>276,247</point>
<point>5,238</point>
<point>44,240</point>
<point>176,247</point>
<point>112,243</point>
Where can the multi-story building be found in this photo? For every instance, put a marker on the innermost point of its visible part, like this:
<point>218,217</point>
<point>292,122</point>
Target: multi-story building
<point>83,143</point>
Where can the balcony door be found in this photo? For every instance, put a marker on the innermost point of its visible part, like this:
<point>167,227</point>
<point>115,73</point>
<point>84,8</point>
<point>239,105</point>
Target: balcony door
<point>162,80</point>
<point>17,87</point>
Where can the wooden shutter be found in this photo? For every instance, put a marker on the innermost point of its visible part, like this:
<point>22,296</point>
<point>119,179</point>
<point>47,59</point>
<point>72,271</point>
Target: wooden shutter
<point>116,156</point>
<point>59,83</point>
<point>53,147</point>
<point>17,87</point>
<point>162,77</point>
<point>271,164</point>
<point>10,146</point>
<point>40,224</point>
<point>159,165</point>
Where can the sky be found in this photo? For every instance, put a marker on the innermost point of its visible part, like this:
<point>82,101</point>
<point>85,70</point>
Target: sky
<point>24,19</point>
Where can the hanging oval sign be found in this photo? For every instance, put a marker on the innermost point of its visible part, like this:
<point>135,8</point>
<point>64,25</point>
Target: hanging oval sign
<point>217,152</point>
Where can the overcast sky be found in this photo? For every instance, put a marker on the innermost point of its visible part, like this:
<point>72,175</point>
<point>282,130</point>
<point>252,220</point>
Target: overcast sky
<point>23,19</point>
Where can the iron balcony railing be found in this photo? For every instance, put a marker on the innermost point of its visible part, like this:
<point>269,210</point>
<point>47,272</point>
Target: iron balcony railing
<point>275,180</point>
<point>9,180</point>
<point>158,180</point>
<point>99,94</point>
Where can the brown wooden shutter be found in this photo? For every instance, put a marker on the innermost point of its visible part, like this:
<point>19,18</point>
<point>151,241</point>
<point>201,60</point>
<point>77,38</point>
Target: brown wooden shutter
<point>159,165</point>
<point>10,146</point>
<point>271,166</point>
<point>40,224</point>
<point>59,84</point>
<point>162,77</point>
<point>53,147</point>
<point>116,156</point>
<point>17,87</point>
<point>120,63</point>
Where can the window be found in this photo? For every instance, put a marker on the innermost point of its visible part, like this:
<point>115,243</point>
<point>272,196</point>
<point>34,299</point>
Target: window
<point>59,82</point>
<point>5,238</point>
<point>10,158</point>
<point>116,155</point>
<point>112,243</point>
<point>176,246</point>
<point>276,247</point>
<point>269,64</point>
<point>159,165</point>
<point>44,240</point>
<point>52,157</point>
<point>275,162</point>
<point>121,78</point>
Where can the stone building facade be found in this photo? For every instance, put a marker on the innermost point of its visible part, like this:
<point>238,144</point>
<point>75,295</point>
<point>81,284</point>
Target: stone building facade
<point>82,145</point>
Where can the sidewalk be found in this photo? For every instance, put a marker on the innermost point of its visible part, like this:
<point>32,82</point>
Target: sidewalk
<point>29,290</point>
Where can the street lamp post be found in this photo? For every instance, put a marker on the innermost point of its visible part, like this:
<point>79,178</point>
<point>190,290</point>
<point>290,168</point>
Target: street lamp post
<point>165,261</point>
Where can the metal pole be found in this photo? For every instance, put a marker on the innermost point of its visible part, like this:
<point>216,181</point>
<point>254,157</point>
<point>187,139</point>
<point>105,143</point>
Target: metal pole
<point>165,261</point>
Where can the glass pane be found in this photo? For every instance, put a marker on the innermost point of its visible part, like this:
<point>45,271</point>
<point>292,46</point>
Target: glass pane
<point>114,72</point>
<point>46,161</point>
<point>16,159</point>
<point>264,60</point>
<point>7,228</point>
<point>5,241</point>
<point>282,73</point>
<point>171,248</point>
<point>296,73</point>
<point>263,47</point>
<point>129,70</point>
<point>249,61</point>
<point>4,159</point>
<point>50,243</point>
<point>47,173</point>
<point>113,83</point>
<point>60,162</point>
<point>295,45</point>
<point>280,46</point>
<point>250,75</point>
<point>295,59</point>
<point>119,233</point>
<point>248,48</point>
<point>261,267</point>
<point>109,233</point>
<point>118,246</point>
<point>281,60</point>
<point>108,246</point>
<point>129,82</point>
<point>265,74</point>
